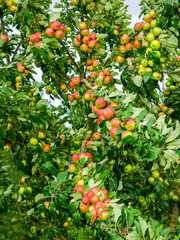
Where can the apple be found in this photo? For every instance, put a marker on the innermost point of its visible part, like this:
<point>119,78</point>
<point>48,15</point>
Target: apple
<point>170,111</point>
<point>138,26</point>
<point>95,189</point>
<point>41,134</point>
<point>85,32</point>
<point>13,8</point>
<point>112,131</point>
<point>90,6</point>
<point>84,47</point>
<point>34,38</point>
<point>82,155</point>
<point>108,113</point>
<point>157,31</point>
<point>136,44</point>
<point>155,44</point>
<point>130,124</point>
<point>100,119</point>
<point>120,59</point>
<point>89,165</point>
<point>80,182</point>
<point>128,168</point>
<point>47,148</point>
<point>29,189</point>
<point>98,211</point>
<point>175,198</point>
<point>104,215</point>
<point>142,71</point>
<point>125,39</point>
<point>94,198</point>
<point>85,200</point>
<point>113,104</point>
<point>26,72</point>
<point>55,25</point>
<point>144,62</point>
<point>50,32</point>
<point>94,215</point>
<point>146,26</point>
<point>150,37</point>
<point>157,76</point>
<point>141,199</point>
<point>72,168</point>
<point>4,37</point>
<point>75,2</point>
<point>78,188</point>
<point>100,103</point>
<point>9,3</point>
<point>145,44</point>
<point>33,141</point>
<point>152,13</point>
<point>7,147</point>
<point>99,204</point>
<point>148,69</point>
<point>76,80</point>
<point>82,25</point>
<point>151,196</point>
<point>21,190</point>
<point>153,23</point>
<point>89,143</point>
<point>96,136</point>
<point>164,108</point>
<point>116,32</point>
<point>77,96</point>
<point>72,85</point>
<point>155,174</point>
<point>122,49</point>
<point>100,112</point>
<point>125,134</point>
<point>21,69</point>
<point>115,122</point>
<point>95,62</point>
<point>151,63</point>
<point>107,79</point>
<point>60,35</point>
<point>129,46</point>
<point>147,18</point>
<point>92,43</point>
<point>87,96</point>
<point>76,43</point>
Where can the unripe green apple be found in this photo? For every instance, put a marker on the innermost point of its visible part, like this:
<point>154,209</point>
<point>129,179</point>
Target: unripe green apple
<point>150,180</point>
<point>150,37</point>
<point>128,168</point>
<point>33,141</point>
<point>141,199</point>
<point>155,174</point>
<point>144,62</point>
<point>157,76</point>
<point>151,196</point>
<point>155,44</point>
<point>175,198</point>
<point>21,190</point>
<point>157,31</point>
<point>29,189</point>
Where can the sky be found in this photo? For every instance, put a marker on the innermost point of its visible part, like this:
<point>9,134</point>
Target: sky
<point>133,10</point>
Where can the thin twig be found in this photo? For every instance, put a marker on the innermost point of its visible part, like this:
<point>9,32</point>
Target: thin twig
<point>172,71</point>
<point>3,32</point>
<point>87,84</point>
<point>17,48</point>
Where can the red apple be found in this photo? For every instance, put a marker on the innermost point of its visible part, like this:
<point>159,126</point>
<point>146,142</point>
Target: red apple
<point>47,148</point>
<point>122,49</point>
<point>95,63</point>
<point>82,25</point>
<point>85,32</point>
<point>76,80</point>
<point>84,208</point>
<point>115,122</point>
<point>92,43</point>
<point>89,165</point>
<point>95,189</point>
<point>4,37</point>
<point>99,204</point>
<point>86,39</point>
<point>55,25</point>
<point>136,44</point>
<point>104,215</point>
<point>85,199</point>
<point>72,168</point>
<point>72,85</point>
<point>77,96</point>
<point>130,124</point>
<point>100,119</point>
<point>89,155</point>
<point>93,36</point>
<point>107,79</point>
<point>94,199</point>
<point>100,112</point>
<point>138,26</point>
<point>60,35</point>
<point>113,131</point>
<point>100,103</point>
<point>89,143</point>
<point>147,18</point>
<point>75,157</point>
<point>108,113</point>
<point>84,47</point>
<point>120,59</point>
<point>125,39</point>
<point>50,32</point>
<point>78,188</point>
<point>76,43</point>
<point>96,136</point>
<point>71,97</point>
<point>126,133</point>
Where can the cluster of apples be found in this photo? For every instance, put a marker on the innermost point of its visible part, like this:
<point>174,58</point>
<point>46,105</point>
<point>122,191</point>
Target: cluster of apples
<point>91,64</point>
<point>49,90</point>
<point>95,201</point>
<point>155,174</point>
<point>12,5</point>
<point>34,141</point>
<point>108,114</point>
<point>64,88</point>
<point>90,5</point>
<point>164,109</point>
<point>174,197</point>
<point>76,158</point>
<point>172,88</point>
<point>149,38</point>
<point>86,41</point>
<point>116,32</point>
<point>22,70</point>
<point>103,77</point>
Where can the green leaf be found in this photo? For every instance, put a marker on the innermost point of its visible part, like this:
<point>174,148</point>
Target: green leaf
<point>152,153</point>
<point>171,155</point>
<point>39,197</point>
<point>83,235</point>
<point>76,219</point>
<point>171,136</point>
<point>73,206</point>
<point>8,191</point>
<point>175,76</point>
<point>61,177</point>
<point>133,236</point>
<point>143,224</point>
<point>117,208</point>
<point>2,41</point>
<point>30,212</point>
<point>137,80</point>
<point>92,115</point>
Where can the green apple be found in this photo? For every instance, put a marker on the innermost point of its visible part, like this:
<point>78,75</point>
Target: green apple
<point>151,180</point>
<point>157,31</point>
<point>148,69</point>
<point>141,199</point>
<point>155,45</point>
<point>151,196</point>
<point>150,37</point>
<point>151,63</point>
<point>128,168</point>
<point>144,62</point>
<point>43,215</point>
<point>155,174</point>
<point>175,198</point>
<point>29,189</point>
<point>21,190</point>
<point>33,141</point>
<point>141,71</point>
<point>157,76</point>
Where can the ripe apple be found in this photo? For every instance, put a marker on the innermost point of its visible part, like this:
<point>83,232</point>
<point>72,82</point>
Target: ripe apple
<point>47,148</point>
<point>33,141</point>
<point>125,134</point>
<point>115,122</point>
<point>71,97</point>
<point>76,43</point>
<point>80,182</point>
<point>100,119</point>
<point>155,174</point>
<point>49,32</point>
<point>92,43</point>
<point>90,6</point>
<point>129,46</point>
<point>89,143</point>
<point>89,165</point>
<point>120,59</point>
<point>72,168</point>
<point>142,71</point>
<point>85,200</point>
<point>21,69</point>
<point>84,47</point>
<point>108,113</point>
<point>100,103</point>
<point>113,131</point>
<point>153,23</point>
<point>94,198</point>
<point>155,44</point>
<point>60,35</point>
<point>138,26</point>
<point>34,38</point>
<point>125,39</point>
<point>104,215</point>
<point>78,188</point>
<point>77,96</point>
<point>96,136</point>
<point>122,49</point>
<point>55,25</point>
<point>82,155</point>
<point>146,26</point>
<point>4,37</point>
<point>82,25</point>
<point>72,85</point>
<point>147,18</point>
<point>76,80</point>
<point>95,189</point>
<point>85,32</point>
<point>136,44</point>
<point>107,79</point>
<point>13,8</point>
<point>145,44</point>
<point>99,204</point>
<point>26,72</point>
<point>95,62</point>
<point>130,124</point>
<point>94,215</point>
<point>41,134</point>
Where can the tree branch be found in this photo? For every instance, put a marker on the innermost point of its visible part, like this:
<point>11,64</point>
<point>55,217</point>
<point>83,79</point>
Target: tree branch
<point>64,74</point>
<point>17,48</point>
<point>172,71</point>
<point>87,84</point>
<point>69,54</point>
<point>109,58</point>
